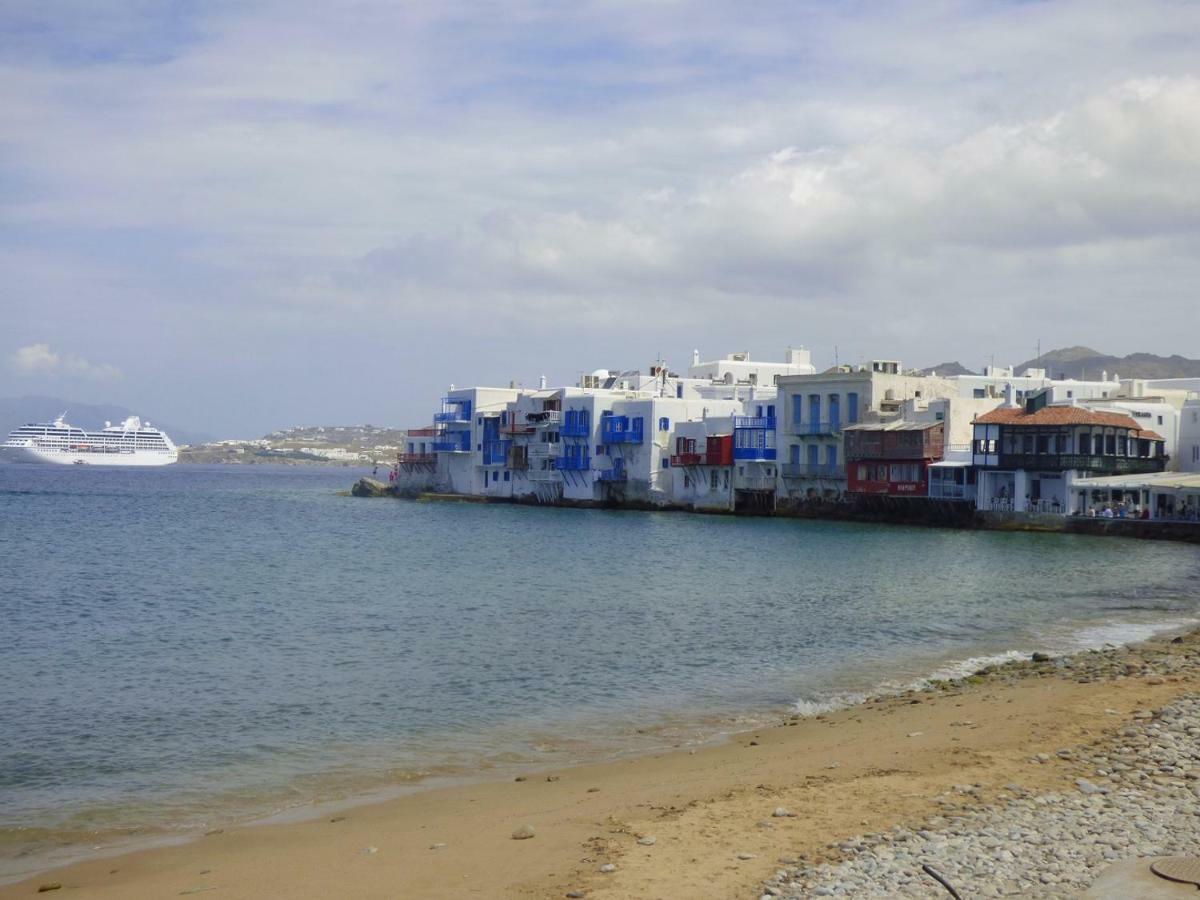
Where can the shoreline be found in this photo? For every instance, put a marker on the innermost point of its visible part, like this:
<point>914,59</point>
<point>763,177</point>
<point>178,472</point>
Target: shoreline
<point>916,512</point>
<point>686,799</point>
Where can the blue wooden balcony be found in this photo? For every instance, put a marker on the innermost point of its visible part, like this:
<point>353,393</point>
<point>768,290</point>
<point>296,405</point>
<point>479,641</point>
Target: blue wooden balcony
<point>766,423</point>
<point>576,423</point>
<point>621,430</point>
<point>754,438</point>
<point>580,463</point>
<point>495,452</point>
<point>453,442</point>
<point>616,473</point>
<point>454,410</point>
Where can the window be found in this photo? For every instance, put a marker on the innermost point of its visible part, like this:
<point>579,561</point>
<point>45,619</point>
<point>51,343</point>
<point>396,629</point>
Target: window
<point>771,411</point>
<point>979,393</point>
<point>687,481</point>
<point>1195,452</point>
<point>599,449</point>
<point>1160,420</point>
<point>852,407</point>
<point>664,424</point>
<point>1070,394</point>
<point>666,462</point>
<point>862,473</point>
<point>506,476</point>
<point>797,408</point>
<point>759,411</point>
<point>1085,444</point>
<point>714,479</point>
<point>831,456</point>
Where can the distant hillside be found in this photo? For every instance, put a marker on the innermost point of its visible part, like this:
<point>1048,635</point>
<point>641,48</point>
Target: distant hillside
<point>1081,362</point>
<point>16,411</point>
<point>948,369</point>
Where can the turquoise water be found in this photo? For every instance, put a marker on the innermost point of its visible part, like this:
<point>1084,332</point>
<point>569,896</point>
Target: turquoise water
<point>190,646</point>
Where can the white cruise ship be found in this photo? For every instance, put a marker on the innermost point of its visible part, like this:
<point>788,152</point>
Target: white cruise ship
<point>132,443</point>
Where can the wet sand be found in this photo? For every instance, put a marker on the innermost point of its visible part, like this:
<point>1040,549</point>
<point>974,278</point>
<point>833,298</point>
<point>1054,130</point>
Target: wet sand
<point>708,810</point>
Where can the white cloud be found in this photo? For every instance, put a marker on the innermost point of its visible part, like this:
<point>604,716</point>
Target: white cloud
<point>39,360</point>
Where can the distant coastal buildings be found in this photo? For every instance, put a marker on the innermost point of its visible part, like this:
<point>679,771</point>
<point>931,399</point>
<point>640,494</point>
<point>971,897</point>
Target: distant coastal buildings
<point>739,435</point>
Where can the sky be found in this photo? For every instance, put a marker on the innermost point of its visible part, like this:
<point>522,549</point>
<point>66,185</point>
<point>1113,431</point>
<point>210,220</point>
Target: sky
<point>238,216</point>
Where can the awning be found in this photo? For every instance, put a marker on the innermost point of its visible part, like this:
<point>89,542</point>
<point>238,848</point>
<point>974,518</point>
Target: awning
<point>1174,481</point>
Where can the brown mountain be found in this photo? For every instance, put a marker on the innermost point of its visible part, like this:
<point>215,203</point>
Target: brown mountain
<point>1084,362</point>
<point>947,369</point>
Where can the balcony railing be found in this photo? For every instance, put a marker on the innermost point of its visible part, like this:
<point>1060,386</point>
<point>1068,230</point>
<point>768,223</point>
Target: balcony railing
<point>454,409</point>
<point>495,452</point>
<point>517,428</point>
<point>620,430</point>
<point>575,428</point>
<point>547,418</point>
<point>943,491</point>
<point>1059,462</point>
<point>612,475</point>
<point>416,459</point>
<point>573,463</point>
<point>754,422</point>
<point>696,459</point>
<point>422,432</point>
<point>812,470</point>
<point>858,452</point>
<point>833,426</point>
<point>456,443</point>
<point>752,454</point>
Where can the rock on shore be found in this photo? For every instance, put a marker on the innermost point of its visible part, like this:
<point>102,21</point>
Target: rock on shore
<point>369,487</point>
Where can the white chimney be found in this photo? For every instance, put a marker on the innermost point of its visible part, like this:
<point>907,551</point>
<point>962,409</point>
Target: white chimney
<point>695,357</point>
<point>542,383</point>
<point>1010,395</point>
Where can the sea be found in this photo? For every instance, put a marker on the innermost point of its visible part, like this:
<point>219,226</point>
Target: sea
<point>190,647</point>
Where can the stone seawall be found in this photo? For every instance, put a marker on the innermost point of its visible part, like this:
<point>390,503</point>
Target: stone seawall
<point>882,510</point>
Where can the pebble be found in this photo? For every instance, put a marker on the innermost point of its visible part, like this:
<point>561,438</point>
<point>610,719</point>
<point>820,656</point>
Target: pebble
<point>782,812</point>
<point>647,841</point>
<point>1052,845</point>
<point>608,867</point>
<point>524,833</point>
<point>437,846</point>
<point>745,856</point>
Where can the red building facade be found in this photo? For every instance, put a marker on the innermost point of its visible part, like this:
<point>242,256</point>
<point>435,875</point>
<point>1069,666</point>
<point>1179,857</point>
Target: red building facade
<point>893,458</point>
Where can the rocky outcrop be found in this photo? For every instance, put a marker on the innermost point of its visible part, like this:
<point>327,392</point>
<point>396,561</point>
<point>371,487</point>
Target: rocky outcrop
<point>369,487</point>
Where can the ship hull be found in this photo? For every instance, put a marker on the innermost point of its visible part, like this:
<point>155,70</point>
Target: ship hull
<point>41,455</point>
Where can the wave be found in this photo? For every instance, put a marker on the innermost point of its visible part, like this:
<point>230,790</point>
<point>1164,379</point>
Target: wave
<point>1079,639</point>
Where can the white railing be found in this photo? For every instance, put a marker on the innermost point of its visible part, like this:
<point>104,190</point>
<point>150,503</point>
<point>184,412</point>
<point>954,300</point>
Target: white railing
<point>947,491</point>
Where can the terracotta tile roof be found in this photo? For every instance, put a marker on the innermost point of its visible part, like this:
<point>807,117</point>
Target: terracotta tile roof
<point>1057,415</point>
<point>1151,436</point>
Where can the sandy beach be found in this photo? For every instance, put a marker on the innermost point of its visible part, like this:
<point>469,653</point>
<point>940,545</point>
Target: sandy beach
<point>713,822</point>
